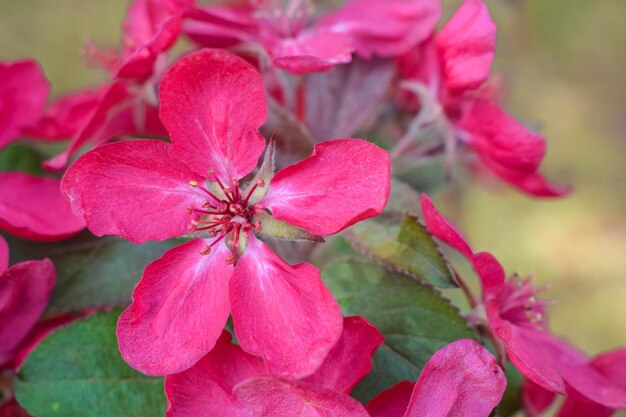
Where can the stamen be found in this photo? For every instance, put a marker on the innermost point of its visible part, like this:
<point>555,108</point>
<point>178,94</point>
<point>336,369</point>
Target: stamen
<point>259,183</point>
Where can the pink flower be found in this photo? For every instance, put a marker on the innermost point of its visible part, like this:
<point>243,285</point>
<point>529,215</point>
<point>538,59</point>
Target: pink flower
<point>611,365</point>
<point>127,105</point>
<point>25,289</point>
<point>460,379</point>
<point>517,320</point>
<point>34,208</point>
<point>455,66</point>
<point>212,104</point>
<point>296,44</point>
<point>232,383</point>
<point>23,94</point>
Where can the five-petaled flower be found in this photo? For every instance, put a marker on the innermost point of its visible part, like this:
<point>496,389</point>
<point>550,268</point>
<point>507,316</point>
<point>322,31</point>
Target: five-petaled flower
<point>212,105</point>
<point>517,320</point>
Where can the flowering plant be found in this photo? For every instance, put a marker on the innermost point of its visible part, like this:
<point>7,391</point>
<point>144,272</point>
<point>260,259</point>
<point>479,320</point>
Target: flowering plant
<point>236,223</point>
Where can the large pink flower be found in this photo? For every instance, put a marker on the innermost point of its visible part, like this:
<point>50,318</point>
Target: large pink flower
<point>517,320</point>
<point>455,66</point>
<point>212,104</point>
<point>460,379</point>
<point>296,44</point>
<point>232,383</point>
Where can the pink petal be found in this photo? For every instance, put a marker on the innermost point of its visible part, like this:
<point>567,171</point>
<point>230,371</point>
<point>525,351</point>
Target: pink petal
<point>4,255</point>
<point>393,402</point>
<point>67,115</point>
<point>283,313</point>
<point>499,137</point>
<point>269,397</point>
<point>536,400</point>
<point>385,28</point>
<point>23,94</point>
<point>25,290</point>
<point>490,272</point>
<point>461,379</point>
<point>151,27</point>
<point>313,50</point>
<point>205,389</point>
<point>526,349</point>
<point>351,358</point>
<point>221,27</point>
<point>533,183</point>
<point>112,98</point>
<point>212,103</point>
<point>585,379</point>
<point>135,189</point>
<point>441,228</point>
<point>179,309</point>
<point>34,208</point>
<point>343,182</point>
<point>466,46</point>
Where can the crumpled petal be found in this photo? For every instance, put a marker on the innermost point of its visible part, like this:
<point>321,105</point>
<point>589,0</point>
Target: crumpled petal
<point>220,27</point>
<point>134,189</point>
<point>351,358</point>
<point>466,47</point>
<point>283,313</point>
<point>343,182</point>
<point>205,389</point>
<point>386,28</point>
<point>34,208</point>
<point>461,379</point>
<point>25,290</point>
<point>392,402</point>
<point>212,103</point>
<point>179,309</point>
<point>269,397</point>
<point>23,94</point>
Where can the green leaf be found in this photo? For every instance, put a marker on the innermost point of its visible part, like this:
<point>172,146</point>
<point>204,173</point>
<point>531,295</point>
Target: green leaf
<point>425,176</point>
<point>414,318</point>
<point>91,271</point>
<point>408,248</point>
<point>78,372</point>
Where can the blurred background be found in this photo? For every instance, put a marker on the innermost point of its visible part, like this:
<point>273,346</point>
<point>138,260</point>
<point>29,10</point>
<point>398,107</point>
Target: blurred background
<point>563,63</point>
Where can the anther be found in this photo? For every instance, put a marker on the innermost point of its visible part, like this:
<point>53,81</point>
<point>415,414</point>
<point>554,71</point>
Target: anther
<point>193,183</point>
<point>205,250</point>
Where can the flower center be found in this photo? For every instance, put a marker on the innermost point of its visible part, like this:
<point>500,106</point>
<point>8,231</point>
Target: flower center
<point>520,305</point>
<point>228,217</point>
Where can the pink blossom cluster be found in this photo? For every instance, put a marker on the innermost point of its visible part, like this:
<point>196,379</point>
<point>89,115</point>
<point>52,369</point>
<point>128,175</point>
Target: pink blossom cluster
<point>280,121</point>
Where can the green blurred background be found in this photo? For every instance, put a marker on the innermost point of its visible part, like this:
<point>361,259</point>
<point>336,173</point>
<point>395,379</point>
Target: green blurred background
<point>563,62</point>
